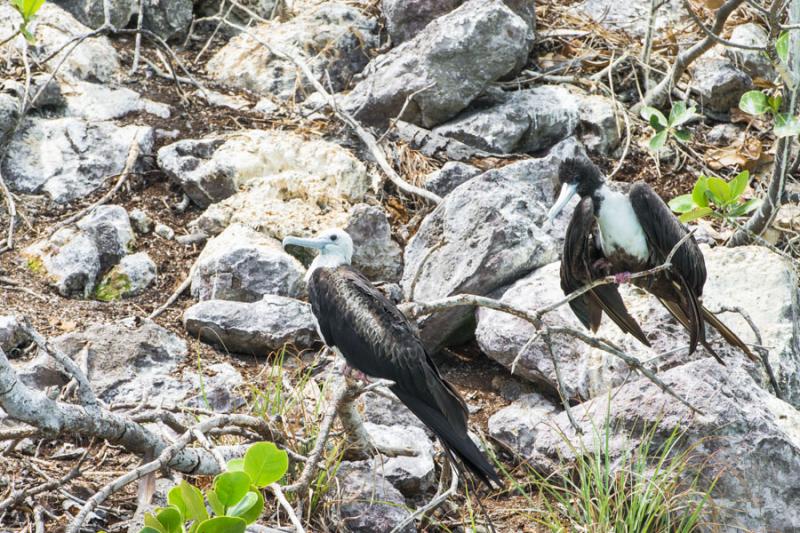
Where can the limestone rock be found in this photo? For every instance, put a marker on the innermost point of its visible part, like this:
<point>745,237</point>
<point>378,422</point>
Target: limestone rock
<point>67,158</point>
<point>406,18</point>
<point>752,62</point>
<point>375,254</point>
<point>369,503</point>
<point>90,12</point>
<point>110,229</point>
<point>332,38</point>
<point>167,19</point>
<point>141,221</point>
<point>96,102</point>
<point>450,176</point>
<point>410,474</point>
<point>12,334</point>
<point>448,65</point>
<point>719,83</point>
<point>130,277</point>
<point>516,425</point>
<point>600,124</point>
<point>256,328</point>
<point>243,265</point>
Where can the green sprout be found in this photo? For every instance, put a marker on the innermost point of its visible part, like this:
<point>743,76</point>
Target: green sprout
<point>668,127</point>
<point>235,497</point>
<point>725,196</point>
<point>759,103</point>
<point>27,9</point>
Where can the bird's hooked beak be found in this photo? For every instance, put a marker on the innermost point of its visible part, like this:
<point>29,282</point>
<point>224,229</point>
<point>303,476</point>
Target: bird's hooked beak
<point>317,244</point>
<point>568,190</point>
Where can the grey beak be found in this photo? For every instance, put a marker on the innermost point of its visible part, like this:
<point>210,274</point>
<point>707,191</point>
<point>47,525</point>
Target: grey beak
<point>568,190</point>
<point>305,243</point>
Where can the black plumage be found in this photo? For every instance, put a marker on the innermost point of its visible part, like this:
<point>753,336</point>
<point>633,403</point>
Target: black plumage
<point>377,339</point>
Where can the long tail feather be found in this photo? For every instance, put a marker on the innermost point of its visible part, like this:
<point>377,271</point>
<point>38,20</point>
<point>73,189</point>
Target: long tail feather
<point>607,296</point>
<point>676,311</point>
<point>727,334</point>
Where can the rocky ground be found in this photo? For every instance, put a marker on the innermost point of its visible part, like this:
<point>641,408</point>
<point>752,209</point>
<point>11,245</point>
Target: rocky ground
<point>137,173</point>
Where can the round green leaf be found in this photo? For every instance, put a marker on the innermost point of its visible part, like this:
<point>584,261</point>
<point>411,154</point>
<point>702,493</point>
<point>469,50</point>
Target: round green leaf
<point>658,140</point>
<point>244,505</point>
<point>699,192</point>
<point>694,214</point>
<point>720,190</point>
<point>193,500</point>
<point>739,184</point>
<point>230,487</point>
<point>648,112</point>
<point>175,499</point>
<point>754,103</point>
<point>265,463</point>
<point>680,114</point>
<point>236,465</point>
<point>682,135</point>
<point>786,125</point>
<point>148,529</point>
<point>170,518</point>
<point>682,203</point>
<point>222,524</point>
<point>214,502</point>
<point>152,522</point>
<point>254,512</point>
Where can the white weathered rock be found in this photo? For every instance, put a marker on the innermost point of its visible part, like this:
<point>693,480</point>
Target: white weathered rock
<point>486,234</point>
<point>448,65</point>
<point>719,83</point>
<point>387,410</point>
<point>126,359</point>
<point>410,474</point>
<point>744,436</point>
<point>243,265</point>
<point>527,121</point>
<point>334,40</point>
<point>600,124</point>
<point>12,333</point>
<point>375,253</point>
<point>67,158</point>
<point>141,221</point>
<point>92,60</point>
<point>256,328</point>
<point>516,425</point>
<point>290,185</point>
<point>96,102</point>
<point>164,231</point>
<point>368,502</point>
<point>49,96</point>
<point>130,277</point>
<point>633,17</point>
<point>110,229</point>
<point>219,391</point>
<point>752,62</point>
<point>724,134</point>
<point>589,372</point>
<point>450,176</point>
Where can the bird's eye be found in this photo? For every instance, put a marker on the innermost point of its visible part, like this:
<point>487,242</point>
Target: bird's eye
<point>333,237</point>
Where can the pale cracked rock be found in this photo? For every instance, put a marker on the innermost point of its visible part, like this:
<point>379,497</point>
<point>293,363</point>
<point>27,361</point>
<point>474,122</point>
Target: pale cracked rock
<point>256,328</point>
<point>243,265</point>
<point>130,277</point>
<point>446,66</point>
<point>516,424</point>
<point>754,63</point>
<point>12,333</point>
<point>485,234</point>
<point>411,474</point>
<point>450,176</point>
<point>334,39</point>
<point>94,59</point>
<point>367,502</point>
<point>719,83</point>
<point>68,158</point>
<point>375,253</point>
<point>589,372</point>
<point>110,229</point>
<point>96,102</point>
<point>289,185</point>
<point>746,441</point>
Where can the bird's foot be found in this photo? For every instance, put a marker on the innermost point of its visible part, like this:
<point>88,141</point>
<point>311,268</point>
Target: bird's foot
<point>352,373</point>
<point>621,278</point>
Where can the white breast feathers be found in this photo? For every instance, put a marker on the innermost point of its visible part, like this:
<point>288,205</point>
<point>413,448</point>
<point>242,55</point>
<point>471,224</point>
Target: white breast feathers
<point>619,226</point>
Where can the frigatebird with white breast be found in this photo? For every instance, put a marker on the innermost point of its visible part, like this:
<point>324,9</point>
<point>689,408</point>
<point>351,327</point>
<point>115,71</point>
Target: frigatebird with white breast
<point>612,233</point>
<point>356,320</point>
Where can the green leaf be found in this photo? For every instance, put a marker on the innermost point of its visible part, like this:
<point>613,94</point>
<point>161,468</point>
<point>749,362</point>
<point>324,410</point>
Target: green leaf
<point>265,463</point>
<point>774,103</point>
<point>720,190</point>
<point>236,465</point>
<point>682,135</point>
<point>27,34</point>
<point>739,184</point>
<point>223,524</point>
<point>244,505</point>
<point>699,192</point>
<point>216,505</point>
<point>152,522</point>
<point>254,512</point>
<point>648,112</point>
<point>658,140</point>
<point>193,500</point>
<point>750,205</point>
<point>680,114</point>
<point>230,487</point>
<point>175,499</point>
<point>148,529</point>
<point>782,46</point>
<point>754,103</point>
<point>655,124</point>
<point>170,518</point>
<point>786,125</point>
<point>694,214</point>
<point>682,203</point>
<point>27,8</point>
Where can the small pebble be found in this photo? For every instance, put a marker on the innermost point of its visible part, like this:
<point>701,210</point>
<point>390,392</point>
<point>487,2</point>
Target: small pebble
<point>141,221</point>
<point>164,231</point>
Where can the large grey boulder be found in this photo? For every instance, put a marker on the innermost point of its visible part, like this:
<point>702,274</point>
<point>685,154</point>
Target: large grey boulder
<point>375,253</point>
<point>754,63</point>
<point>517,424</point>
<point>588,372</point>
<point>486,234</point>
<point>287,185</point>
<point>745,440</point>
<point>406,18</point>
<point>125,359</point>
<point>527,121</point>
<point>410,474</point>
<point>90,12</point>
<point>67,158</point>
<point>450,176</point>
<point>256,328</point>
<point>447,65</point>
<point>600,124</point>
<point>94,59</point>
<point>334,39</point>
<point>130,277</point>
<point>368,502</point>
<point>719,83</point>
<point>243,265</point>
<point>167,19</point>
<point>98,102</point>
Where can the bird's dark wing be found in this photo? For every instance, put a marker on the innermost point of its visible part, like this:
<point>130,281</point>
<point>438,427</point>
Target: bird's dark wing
<point>663,232</point>
<point>377,339</point>
<point>577,271</point>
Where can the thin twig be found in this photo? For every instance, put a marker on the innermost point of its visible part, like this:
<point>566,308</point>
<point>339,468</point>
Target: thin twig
<point>175,295</point>
<point>138,45</point>
<point>281,497</point>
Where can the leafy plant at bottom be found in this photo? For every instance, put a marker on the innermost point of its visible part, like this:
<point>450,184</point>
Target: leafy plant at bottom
<point>726,197</point>
<point>27,9</point>
<point>235,497</point>
<point>665,127</point>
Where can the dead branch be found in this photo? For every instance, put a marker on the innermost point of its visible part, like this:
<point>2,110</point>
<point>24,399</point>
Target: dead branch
<point>19,495</point>
<point>284,503</point>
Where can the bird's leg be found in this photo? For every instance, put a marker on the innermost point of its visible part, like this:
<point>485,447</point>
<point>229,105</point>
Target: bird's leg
<point>621,278</point>
<point>352,373</point>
